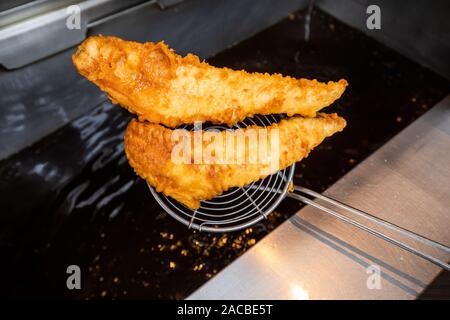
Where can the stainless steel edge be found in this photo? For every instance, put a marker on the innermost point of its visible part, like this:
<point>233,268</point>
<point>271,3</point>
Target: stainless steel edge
<point>29,40</point>
<point>315,256</point>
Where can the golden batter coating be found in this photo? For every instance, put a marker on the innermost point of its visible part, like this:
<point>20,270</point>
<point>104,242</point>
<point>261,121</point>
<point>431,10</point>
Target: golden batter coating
<point>149,149</point>
<point>152,81</point>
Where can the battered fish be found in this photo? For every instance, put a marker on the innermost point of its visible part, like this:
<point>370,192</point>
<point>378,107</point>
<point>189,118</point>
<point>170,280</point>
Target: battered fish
<point>150,150</point>
<point>152,81</point>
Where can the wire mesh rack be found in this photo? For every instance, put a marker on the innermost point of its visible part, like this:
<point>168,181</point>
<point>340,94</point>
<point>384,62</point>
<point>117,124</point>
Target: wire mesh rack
<point>237,208</point>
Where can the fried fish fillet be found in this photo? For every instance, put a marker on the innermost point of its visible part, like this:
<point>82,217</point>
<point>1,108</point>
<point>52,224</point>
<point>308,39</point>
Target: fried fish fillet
<point>160,86</point>
<point>149,149</point>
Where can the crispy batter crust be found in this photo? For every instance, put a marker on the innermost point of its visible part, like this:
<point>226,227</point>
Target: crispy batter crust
<point>149,148</point>
<point>151,80</point>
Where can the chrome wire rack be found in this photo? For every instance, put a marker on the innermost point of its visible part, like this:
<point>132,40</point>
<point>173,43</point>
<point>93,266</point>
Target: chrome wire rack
<point>239,208</point>
<point>236,209</point>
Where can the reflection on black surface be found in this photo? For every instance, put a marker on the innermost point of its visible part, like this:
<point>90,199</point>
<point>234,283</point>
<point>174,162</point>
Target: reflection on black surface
<point>73,199</point>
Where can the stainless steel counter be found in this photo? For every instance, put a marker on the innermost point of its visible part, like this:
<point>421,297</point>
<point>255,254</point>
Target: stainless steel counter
<point>315,256</point>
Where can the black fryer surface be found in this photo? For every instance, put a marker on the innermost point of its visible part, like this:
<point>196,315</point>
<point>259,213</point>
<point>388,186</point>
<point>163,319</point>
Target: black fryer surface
<point>72,198</point>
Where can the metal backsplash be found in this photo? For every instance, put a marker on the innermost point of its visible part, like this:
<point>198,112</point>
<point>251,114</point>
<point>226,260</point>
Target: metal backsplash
<point>418,29</point>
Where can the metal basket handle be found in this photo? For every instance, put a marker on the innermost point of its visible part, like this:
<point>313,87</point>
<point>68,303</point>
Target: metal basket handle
<point>300,195</point>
